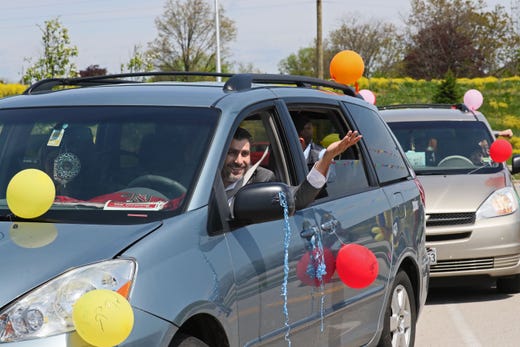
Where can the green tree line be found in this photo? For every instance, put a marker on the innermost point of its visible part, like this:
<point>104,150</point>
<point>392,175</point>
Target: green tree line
<point>460,36</point>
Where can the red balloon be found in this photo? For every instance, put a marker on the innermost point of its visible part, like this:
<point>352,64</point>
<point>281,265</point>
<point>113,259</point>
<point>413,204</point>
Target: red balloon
<point>356,265</point>
<point>307,267</point>
<point>500,150</point>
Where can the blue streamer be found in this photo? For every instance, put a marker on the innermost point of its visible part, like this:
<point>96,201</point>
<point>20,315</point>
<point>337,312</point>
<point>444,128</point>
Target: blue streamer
<point>286,242</point>
<point>318,261</point>
<point>319,269</point>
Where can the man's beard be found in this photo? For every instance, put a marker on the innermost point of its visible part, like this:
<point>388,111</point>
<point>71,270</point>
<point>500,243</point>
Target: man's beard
<point>232,178</point>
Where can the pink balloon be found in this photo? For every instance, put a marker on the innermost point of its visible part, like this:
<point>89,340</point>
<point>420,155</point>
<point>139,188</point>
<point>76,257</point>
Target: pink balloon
<point>368,96</point>
<point>473,99</point>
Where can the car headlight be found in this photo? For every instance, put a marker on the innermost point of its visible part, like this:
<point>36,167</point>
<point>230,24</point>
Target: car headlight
<point>47,310</point>
<point>502,202</point>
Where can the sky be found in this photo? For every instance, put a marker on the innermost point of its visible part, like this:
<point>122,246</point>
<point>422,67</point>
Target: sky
<point>106,31</point>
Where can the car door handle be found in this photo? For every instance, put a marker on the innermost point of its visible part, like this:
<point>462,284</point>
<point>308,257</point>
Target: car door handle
<point>309,232</point>
<point>329,225</point>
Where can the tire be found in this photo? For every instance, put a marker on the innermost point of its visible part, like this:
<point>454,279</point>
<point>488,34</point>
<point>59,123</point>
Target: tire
<point>184,340</point>
<point>401,315</point>
<point>509,285</point>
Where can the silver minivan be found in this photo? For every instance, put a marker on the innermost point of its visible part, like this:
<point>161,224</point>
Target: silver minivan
<point>472,215</point>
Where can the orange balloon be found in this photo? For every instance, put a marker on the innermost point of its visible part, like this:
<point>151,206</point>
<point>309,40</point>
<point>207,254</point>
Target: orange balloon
<point>346,67</point>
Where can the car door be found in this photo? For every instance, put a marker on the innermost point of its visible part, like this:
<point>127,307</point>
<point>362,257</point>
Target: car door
<point>350,209</point>
<point>400,223</point>
<point>273,307</point>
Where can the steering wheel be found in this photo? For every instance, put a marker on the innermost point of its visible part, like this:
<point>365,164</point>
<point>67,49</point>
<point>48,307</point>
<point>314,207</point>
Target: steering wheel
<point>456,161</point>
<point>165,185</point>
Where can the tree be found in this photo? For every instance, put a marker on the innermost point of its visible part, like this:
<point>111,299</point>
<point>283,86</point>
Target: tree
<point>140,61</point>
<point>447,92</point>
<point>241,67</point>
<point>512,68</point>
<point>441,48</point>
<point>57,54</point>
<point>377,42</point>
<point>303,63</point>
<point>186,37</point>
<point>457,35</point>
<point>93,70</point>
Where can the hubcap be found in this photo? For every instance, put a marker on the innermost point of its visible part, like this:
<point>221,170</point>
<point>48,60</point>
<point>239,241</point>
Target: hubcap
<point>400,318</point>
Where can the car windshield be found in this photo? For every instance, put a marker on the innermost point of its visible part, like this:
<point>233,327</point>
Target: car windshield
<point>446,147</point>
<point>108,164</point>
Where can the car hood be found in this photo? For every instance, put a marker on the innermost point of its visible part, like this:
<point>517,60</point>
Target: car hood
<point>459,193</point>
<point>33,253</point>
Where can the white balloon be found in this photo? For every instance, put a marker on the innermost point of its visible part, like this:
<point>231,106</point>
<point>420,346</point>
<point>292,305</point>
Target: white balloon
<point>473,99</point>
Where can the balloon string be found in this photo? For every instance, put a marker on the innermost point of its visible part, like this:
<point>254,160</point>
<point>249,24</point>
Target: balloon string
<point>286,242</point>
<point>333,231</point>
<point>318,262</point>
<point>357,87</point>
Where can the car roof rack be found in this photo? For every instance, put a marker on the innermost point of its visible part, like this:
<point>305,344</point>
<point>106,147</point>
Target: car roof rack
<point>235,82</point>
<point>245,81</point>
<point>460,107</point>
<point>50,83</point>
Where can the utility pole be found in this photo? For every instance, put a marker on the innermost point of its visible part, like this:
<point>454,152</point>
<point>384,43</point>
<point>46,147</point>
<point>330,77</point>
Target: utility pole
<point>217,33</point>
<point>319,43</point>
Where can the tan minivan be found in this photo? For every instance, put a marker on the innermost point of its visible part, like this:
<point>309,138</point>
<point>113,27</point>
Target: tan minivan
<point>472,215</point>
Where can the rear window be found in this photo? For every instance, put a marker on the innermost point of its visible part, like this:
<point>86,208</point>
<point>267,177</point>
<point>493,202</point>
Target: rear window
<point>446,147</point>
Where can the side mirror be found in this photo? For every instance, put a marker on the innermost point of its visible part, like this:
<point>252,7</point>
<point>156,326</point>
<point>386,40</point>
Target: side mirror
<point>515,164</point>
<point>260,202</point>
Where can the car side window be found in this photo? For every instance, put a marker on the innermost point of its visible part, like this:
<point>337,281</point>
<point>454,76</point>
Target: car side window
<point>382,146</point>
<point>265,153</point>
<point>347,173</point>
<point>260,149</point>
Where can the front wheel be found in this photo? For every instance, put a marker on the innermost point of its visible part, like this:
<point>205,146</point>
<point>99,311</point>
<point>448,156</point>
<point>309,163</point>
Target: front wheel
<point>400,316</point>
<point>185,340</point>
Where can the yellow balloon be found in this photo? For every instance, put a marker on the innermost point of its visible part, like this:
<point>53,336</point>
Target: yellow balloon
<point>330,138</point>
<point>30,193</point>
<point>103,318</point>
<point>32,235</point>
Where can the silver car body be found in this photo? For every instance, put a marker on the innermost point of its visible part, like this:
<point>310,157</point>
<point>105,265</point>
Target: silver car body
<point>465,242</point>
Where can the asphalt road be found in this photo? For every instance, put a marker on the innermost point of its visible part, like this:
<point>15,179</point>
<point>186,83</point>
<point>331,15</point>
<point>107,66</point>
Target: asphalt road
<point>469,315</point>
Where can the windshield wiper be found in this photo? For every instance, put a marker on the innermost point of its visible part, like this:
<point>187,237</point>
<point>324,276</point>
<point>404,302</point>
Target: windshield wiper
<point>82,204</point>
<point>486,165</point>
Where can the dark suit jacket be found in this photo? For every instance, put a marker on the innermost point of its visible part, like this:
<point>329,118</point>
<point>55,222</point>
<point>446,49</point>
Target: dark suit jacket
<point>304,194</point>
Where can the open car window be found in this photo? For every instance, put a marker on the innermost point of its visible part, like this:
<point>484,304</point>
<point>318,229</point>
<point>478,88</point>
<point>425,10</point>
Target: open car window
<point>347,174</point>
